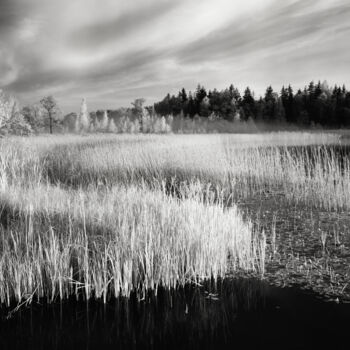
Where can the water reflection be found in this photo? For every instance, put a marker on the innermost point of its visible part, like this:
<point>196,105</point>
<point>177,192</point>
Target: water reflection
<point>229,314</point>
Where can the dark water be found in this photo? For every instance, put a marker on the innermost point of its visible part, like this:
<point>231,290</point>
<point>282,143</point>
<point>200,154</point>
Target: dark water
<point>234,314</point>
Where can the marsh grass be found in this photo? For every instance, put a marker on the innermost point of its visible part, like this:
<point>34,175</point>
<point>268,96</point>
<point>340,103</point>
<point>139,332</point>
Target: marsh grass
<point>103,216</point>
<point>237,166</point>
<point>103,244</point>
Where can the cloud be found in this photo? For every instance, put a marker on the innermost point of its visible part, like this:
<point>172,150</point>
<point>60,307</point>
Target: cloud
<point>113,51</point>
<point>126,24</point>
<point>281,24</point>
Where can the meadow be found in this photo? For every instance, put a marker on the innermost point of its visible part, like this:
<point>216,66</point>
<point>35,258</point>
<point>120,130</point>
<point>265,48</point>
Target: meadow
<point>102,216</point>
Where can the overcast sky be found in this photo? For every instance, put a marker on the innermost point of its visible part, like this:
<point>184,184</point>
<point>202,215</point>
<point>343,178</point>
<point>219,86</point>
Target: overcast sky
<point>113,51</point>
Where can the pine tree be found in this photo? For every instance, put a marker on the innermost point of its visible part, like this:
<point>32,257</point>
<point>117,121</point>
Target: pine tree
<point>201,93</point>
<point>269,104</point>
<point>183,95</point>
<point>285,98</point>
<point>248,104</point>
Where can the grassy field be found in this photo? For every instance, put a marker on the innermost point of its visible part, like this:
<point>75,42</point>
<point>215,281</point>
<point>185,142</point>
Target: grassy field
<point>103,215</point>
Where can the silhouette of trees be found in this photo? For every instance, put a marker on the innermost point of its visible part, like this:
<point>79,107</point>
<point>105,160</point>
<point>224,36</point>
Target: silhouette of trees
<point>316,104</point>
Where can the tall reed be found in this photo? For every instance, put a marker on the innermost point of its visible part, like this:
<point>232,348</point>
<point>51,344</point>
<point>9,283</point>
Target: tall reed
<point>55,243</point>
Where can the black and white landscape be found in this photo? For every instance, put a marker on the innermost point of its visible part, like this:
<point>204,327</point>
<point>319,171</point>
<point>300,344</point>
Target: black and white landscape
<point>174,174</point>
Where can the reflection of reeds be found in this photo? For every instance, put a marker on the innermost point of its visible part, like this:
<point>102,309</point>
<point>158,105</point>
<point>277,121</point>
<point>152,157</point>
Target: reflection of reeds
<point>259,247</point>
<point>273,234</point>
<point>182,316</point>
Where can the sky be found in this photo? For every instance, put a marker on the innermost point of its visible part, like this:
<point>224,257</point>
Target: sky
<point>114,51</point>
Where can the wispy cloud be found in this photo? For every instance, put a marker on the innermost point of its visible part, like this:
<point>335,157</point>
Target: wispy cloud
<point>128,24</point>
<point>113,51</point>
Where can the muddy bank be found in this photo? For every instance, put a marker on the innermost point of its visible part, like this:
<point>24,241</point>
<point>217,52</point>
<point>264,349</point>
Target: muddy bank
<point>308,248</point>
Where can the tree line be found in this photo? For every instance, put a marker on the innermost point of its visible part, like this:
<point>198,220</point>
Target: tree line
<point>316,104</point>
<point>46,116</point>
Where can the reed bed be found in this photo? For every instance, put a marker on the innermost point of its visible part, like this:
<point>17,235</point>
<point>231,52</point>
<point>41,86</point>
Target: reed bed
<point>104,215</point>
<point>239,165</point>
<point>56,243</point>
<point>313,177</point>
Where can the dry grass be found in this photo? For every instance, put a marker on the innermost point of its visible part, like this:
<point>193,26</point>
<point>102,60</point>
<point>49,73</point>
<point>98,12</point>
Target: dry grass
<point>239,165</point>
<point>110,242</point>
<point>93,216</point>
<point>105,241</point>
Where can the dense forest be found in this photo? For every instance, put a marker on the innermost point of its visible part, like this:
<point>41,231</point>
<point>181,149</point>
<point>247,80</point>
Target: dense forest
<point>316,104</point>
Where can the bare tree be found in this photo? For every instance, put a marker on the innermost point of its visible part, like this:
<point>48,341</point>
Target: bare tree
<point>51,107</point>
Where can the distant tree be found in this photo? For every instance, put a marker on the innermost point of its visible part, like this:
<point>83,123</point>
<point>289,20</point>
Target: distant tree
<point>235,94</point>
<point>138,106</point>
<point>18,125</point>
<point>104,121</point>
<point>150,110</point>
<point>183,95</point>
<point>33,115</point>
<point>301,116</point>
<point>69,122</point>
<point>51,107</point>
<point>248,104</point>
<point>138,111</point>
<point>311,89</point>
<point>8,107</point>
<point>191,109</point>
<point>201,93</point>
<point>160,126</point>
<point>204,110</point>
<point>270,100</point>
<point>315,104</point>
<point>146,122</point>
<point>111,126</point>
<point>215,104</point>
<point>11,119</point>
<point>279,112</point>
<point>163,107</point>
<point>176,105</point>
<point>83,121</point>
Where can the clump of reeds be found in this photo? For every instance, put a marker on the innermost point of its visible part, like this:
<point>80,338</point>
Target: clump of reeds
<point>55,243</point>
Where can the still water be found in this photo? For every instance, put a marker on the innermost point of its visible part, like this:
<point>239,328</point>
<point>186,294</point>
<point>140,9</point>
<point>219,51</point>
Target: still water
<point>230,314</point>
